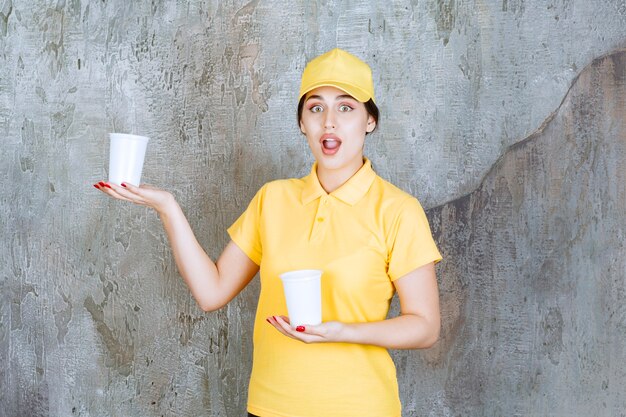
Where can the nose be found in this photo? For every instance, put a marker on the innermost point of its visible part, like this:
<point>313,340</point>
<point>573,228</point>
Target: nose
<point>329,120</point>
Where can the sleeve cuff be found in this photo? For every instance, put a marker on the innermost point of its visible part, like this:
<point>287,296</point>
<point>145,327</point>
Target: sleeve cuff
<point>249,250</point>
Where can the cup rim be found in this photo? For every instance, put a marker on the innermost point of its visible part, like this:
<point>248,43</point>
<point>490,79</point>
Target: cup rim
<point>129,136</point>
<point>287,276</point>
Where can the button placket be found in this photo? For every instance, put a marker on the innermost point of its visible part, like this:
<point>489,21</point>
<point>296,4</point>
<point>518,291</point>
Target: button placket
<point>321,218</point>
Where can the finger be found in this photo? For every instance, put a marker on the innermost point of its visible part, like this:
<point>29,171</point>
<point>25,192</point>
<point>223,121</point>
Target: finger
<point>144,194</point>
<point>112,193</point>
<point>282,324</point>
<point>280,320</point>
<point>107,189</point>
<point>297,333</point>
<point>305,328</point>
<point>323,330</point>
<point>142,190</point>
<point>274,322</point>
<point>130,195</point>
<point>113,190</point>
<point>132,188</point>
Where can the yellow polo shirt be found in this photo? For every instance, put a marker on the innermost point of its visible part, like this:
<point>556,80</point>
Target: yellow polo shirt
<point>363,236</point>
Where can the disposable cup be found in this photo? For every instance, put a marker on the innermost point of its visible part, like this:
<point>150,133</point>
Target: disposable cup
<point>126,156</point>
<point>303,293</point>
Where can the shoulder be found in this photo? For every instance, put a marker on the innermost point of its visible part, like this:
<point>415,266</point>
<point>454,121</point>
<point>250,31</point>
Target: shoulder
<point>394,200</point>
<point>276,191</point>
<point>283,186</point>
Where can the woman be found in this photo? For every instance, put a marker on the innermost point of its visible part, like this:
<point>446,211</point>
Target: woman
<point>369,238</point>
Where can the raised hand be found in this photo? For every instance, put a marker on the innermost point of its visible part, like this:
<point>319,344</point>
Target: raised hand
<point>144,195</point>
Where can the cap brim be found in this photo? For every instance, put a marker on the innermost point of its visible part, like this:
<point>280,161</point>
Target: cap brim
<point>355,92</point>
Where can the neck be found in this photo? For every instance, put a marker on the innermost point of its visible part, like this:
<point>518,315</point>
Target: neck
<point>330,179</point>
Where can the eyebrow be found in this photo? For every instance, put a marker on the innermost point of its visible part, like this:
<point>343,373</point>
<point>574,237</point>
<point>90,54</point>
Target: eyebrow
<point>341,97</point>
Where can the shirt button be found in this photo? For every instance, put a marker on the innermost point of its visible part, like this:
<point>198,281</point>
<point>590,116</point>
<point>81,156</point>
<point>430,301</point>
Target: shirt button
<point>320,219</point>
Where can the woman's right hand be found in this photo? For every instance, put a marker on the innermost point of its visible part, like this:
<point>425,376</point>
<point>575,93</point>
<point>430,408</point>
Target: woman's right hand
<point>144,195</point>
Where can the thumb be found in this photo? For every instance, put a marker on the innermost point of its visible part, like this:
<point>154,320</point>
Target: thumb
<point>317,330</point>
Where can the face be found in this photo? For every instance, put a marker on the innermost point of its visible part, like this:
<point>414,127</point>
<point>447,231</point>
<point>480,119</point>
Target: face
<point>335,125</point>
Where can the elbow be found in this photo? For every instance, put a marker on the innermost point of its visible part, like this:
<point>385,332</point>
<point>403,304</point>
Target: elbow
<point>207,308</point>
<point>433,334</point>
<point>428,336</point>
<point>209,299</point>
<point>210,305</point>
<point>430,340</point>
<point>424,342</point>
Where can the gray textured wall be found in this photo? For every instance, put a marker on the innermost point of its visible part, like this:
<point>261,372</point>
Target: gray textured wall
<point>495,115</point>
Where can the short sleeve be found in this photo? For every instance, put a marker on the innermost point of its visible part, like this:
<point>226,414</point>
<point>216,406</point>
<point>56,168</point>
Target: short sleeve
<point>410,242</point>
<point>245,232</point>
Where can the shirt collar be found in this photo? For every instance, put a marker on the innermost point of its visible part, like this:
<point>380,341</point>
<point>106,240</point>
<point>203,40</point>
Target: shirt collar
<point>350,192</point>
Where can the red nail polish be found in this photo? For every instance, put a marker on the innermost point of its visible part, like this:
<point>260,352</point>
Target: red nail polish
<point>123,185</point>
<point>300,329</point>
<point>268,320</point>
<point>97,186</point>
<point>108,186</point>
<point>101,184</point>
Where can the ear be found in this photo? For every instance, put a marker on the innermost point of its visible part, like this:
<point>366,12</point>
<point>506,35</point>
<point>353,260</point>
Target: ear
<point>371,124</point>
<point>302,128</point>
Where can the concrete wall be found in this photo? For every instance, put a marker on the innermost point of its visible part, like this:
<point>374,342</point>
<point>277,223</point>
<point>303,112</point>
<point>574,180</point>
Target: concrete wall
<point>495,115</point>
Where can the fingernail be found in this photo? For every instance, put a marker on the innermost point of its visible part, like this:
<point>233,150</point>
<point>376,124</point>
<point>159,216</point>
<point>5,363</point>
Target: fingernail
<point>108,186</point>
<point>300,329</point>
<point>97,186</point>
<point>101,184</point>
<point>274,317</point>
<point>123,185</point>
<point>268,320</point>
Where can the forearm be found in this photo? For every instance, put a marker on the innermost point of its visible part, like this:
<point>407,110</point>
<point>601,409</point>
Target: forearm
<point>407,331</point>
<point>194,265</point>
<point>417,327</point>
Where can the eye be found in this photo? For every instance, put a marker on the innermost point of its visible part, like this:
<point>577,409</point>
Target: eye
<point>344,108</point>
<point>316,108</point>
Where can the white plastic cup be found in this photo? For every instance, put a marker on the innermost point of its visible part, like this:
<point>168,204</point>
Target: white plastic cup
<point>126,156</point>
<point>303,292</point>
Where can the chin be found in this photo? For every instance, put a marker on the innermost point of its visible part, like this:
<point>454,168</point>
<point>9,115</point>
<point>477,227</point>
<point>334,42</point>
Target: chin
<point>330,162</point>
<point>339,160</point>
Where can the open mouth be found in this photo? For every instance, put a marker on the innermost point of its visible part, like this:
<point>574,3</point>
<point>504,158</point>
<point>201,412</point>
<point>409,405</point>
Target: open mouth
<point>330,145</point>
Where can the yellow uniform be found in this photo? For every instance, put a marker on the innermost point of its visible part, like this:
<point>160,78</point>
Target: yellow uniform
<point>363,236</point>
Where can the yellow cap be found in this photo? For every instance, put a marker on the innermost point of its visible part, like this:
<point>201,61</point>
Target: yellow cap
<point>338,68</point>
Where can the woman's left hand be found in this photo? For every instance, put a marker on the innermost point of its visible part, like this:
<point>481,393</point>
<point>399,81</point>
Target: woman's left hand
<point>329,331</point>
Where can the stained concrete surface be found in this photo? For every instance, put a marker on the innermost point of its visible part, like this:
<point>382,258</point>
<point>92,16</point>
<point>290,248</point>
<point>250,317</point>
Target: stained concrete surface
<point>94,319</point>
<point>534,283</point>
